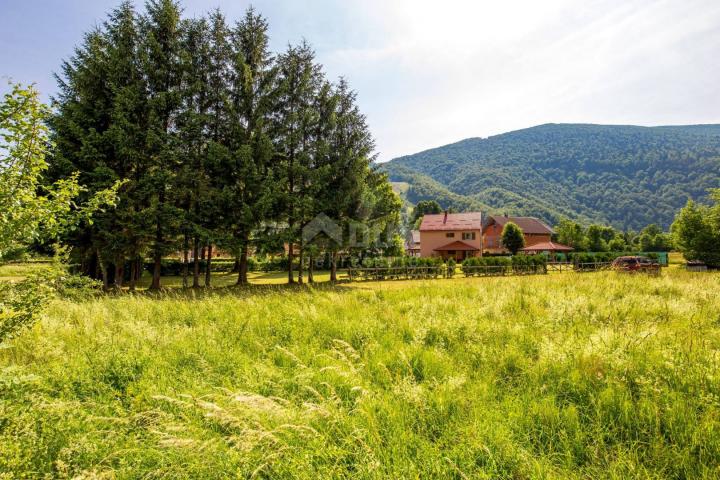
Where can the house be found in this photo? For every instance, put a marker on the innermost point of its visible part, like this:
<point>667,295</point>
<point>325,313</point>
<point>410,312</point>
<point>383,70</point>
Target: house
<point>534,230</point>
<point>451,235</point>
<point>412,243</point>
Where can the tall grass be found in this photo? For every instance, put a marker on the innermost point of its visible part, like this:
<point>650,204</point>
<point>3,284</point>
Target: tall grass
<point>569,376</point>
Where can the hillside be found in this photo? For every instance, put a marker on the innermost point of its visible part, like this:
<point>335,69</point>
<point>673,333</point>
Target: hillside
<point>626,176</point>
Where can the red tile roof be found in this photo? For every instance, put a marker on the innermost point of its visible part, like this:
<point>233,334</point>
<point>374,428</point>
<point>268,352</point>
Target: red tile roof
<point>456,245</point>
<point>529,225</point>
<point>451,221</point>
<point>547,247</point>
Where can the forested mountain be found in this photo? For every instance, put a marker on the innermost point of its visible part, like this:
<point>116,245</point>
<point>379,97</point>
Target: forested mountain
<point>626,176</point>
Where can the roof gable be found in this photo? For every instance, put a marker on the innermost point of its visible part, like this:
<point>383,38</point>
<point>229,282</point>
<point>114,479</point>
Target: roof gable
<point>530,225</point>
<point>451,221</point>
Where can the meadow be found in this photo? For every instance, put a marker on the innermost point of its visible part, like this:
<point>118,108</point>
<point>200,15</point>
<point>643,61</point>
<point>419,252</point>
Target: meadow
<point>595,375</point>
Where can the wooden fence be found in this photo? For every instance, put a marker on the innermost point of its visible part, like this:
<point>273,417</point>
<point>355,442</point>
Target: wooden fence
<point>502,270</point>
<point>395,273</point>
<point>356,274</point>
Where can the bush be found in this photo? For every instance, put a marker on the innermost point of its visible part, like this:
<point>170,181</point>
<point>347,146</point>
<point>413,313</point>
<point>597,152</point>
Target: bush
<point>450,267</point>
<point>171,267</point>
<point>22,302</point>
<point>504,265</point>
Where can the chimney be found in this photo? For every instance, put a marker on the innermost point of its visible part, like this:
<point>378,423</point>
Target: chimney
<point>445,217</point>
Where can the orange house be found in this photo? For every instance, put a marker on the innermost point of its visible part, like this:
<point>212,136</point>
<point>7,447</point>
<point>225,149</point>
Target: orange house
<point>534,230</point>
<point>451,235</point>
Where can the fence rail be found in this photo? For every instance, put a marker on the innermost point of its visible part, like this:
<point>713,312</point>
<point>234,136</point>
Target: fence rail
<point>440,271</point>
<point>395,273</point>
<point>502,270</point>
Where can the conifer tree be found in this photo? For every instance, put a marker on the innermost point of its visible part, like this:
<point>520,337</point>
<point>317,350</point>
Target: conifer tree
<point>162,66</point>
<point>252,177</point>
<point>299,78</point>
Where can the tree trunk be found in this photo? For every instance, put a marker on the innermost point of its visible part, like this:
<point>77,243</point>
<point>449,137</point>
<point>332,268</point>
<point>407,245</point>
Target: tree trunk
<point>291,257</point>
<point>301,255</point>
<point>157,254</point>
<point>133,274</point>
<point>333,267</point>
<point>157,265</point>
<point>311,269</point>
<point>208,265</point>
<point>185,271</point>
<point>119,273</point>
<point>196,263</point>
<point>243,265</point>
<point>104,272</point>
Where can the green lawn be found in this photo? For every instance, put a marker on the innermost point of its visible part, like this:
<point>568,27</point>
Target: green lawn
<point>597,375</point>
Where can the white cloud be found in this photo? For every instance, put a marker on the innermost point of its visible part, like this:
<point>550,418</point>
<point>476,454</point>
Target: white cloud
<point>429,72</point>
<point>434,72</point>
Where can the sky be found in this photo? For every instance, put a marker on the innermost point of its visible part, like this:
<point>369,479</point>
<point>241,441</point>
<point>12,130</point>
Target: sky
<point>429,73</point>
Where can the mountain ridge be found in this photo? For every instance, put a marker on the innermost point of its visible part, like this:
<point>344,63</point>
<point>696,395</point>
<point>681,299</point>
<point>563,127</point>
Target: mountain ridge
<point>624,175</point>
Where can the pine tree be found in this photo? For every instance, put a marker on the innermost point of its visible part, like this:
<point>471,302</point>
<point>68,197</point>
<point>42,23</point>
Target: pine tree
<point>162,66</point>
<point>252,178</point>
<point>299,78</point>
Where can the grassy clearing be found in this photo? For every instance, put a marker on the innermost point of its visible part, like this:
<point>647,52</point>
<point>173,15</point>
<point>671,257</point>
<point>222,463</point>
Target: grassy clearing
<point>13,272</point>
<point>595,375</point>
<point>19,271</point>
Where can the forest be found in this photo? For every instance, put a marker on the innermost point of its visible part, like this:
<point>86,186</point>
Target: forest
<point>215,141</point>
<point>623,176</point>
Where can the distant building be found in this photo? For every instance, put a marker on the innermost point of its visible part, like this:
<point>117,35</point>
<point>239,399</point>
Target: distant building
<point>451,235</point>
<point>535,232</point>
<point>412,243</point>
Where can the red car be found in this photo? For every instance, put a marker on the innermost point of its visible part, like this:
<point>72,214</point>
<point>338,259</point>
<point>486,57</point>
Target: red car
<point>635,264</point>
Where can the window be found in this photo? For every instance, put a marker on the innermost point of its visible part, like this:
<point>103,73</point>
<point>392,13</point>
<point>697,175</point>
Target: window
<point>468,236</point>
<point>450,234</point>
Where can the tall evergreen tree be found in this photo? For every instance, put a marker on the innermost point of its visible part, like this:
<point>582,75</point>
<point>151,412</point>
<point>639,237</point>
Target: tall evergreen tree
<point>192,132</point>
<point>162,66</point>
<point>251,189</point>
<point>299,78</point>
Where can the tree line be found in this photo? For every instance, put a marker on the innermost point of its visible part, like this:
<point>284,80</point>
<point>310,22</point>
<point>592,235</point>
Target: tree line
<point>603,238</point>
<point>220,142</point>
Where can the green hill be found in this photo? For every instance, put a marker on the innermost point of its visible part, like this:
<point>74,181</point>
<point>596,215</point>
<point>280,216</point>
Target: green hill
<point>626,176</point>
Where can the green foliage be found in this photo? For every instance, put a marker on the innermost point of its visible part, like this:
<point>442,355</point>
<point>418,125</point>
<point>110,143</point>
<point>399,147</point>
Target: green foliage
<point>22,302</point>
<point>29,209</point>
<point>499,265</point>
<point>623,176</point>
<point>696,231</point>
<point>450,267</point>
<point>221,141</point>
<point>571,234</point>
<point>423,207</point>
<point>601,238</point>
<point>558,376</point>
<point>512,237</point>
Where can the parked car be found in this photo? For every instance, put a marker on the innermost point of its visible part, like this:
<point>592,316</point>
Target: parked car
<point>635,264</point>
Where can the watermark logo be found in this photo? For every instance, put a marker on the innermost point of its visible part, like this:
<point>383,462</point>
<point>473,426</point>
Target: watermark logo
<point>359,234</point>
<point>322,224</point>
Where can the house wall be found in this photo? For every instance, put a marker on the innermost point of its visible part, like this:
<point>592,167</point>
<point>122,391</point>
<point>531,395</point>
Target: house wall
<point>430,240</point>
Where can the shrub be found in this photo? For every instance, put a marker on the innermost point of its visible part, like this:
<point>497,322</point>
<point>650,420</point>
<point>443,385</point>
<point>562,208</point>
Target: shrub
<point>22,302</point>
<point>450,267</point>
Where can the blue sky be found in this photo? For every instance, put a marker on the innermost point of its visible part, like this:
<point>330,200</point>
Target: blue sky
<point>429,73</point>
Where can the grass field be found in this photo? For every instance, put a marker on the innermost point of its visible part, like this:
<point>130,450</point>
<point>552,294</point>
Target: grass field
<point>596,375</point>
